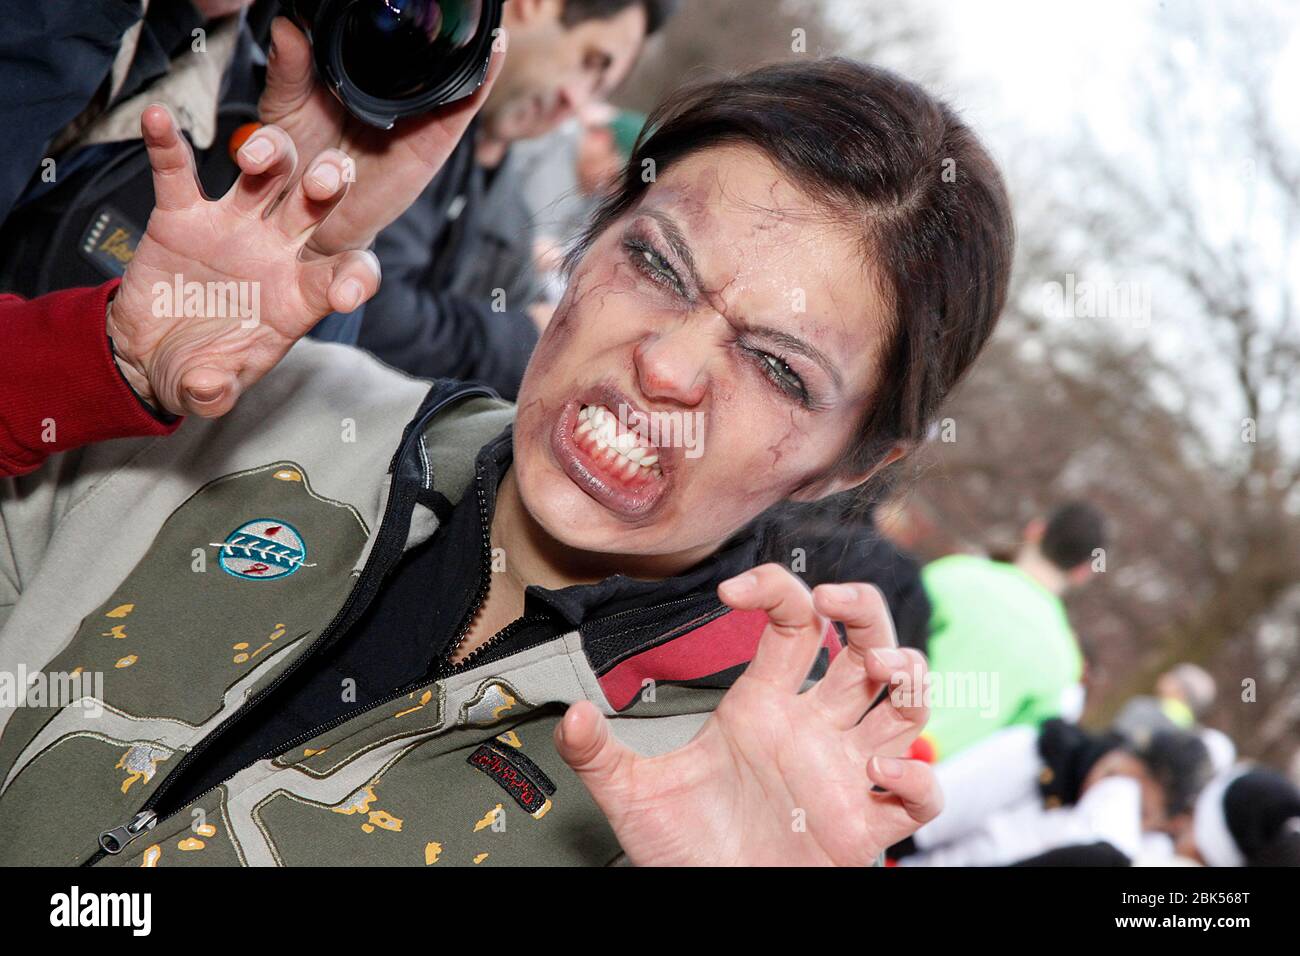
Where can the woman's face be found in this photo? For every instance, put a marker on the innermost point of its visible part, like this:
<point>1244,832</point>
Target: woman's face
<point>724,334</point>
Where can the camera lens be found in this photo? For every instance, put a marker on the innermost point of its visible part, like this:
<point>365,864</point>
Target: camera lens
<point>387,59</point>
<point>394,49</point>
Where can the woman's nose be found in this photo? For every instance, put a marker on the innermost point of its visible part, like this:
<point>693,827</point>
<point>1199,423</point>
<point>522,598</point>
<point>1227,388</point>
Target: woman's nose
<point>673,366</point>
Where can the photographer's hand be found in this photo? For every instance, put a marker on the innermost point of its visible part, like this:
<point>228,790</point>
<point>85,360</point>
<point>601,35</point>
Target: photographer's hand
<point>249,240</point>
<point>777,777</point>
<point>392,167</point>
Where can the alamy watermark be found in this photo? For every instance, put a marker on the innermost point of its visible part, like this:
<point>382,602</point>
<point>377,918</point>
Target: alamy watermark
<point>230,299</point>
<point>56,689</point>
<point>951,690</point>
<point>665,429</point>
<point>1085,299</point>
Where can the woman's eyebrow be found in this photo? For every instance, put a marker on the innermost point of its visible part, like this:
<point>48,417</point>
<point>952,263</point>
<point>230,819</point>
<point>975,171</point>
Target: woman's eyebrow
<point>682,249</point>
<point>796,344</point>
<point>677,240</point>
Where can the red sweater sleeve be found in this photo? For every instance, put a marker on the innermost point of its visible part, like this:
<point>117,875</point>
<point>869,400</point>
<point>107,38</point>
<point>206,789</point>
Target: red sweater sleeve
<point>60,387</point>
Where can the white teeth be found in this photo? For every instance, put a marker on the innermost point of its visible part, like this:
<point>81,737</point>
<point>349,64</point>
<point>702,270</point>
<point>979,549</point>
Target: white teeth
<point>622,450</point>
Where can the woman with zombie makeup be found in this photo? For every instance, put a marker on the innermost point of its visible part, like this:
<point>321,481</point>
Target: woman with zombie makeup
<point>352,618</point>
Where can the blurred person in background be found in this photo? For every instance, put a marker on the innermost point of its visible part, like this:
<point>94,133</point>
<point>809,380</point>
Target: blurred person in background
<point>1246,816</point>
<point>564,178</point>
<point>62,65</point>
<point>1183,695</point>
<point>431,317</point>
<point>80,76</point>
<point>1023,791</point>
<point>1007,621</point>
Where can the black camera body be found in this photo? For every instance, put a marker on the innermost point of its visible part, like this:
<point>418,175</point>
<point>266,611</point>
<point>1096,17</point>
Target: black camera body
<point>387,59</point>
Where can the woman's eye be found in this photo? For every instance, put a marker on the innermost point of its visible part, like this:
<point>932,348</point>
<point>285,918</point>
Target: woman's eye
<point>783,375</point>
<point>655,266</point>
<point>654,261</point>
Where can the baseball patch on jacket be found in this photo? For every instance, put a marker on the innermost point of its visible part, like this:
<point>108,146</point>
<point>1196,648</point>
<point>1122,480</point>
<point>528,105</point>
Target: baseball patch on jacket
<point>518,776</point>
<point>262,550</point>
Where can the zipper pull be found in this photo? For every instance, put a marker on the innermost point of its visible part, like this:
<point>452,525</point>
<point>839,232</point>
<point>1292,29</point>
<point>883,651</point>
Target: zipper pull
<point>116,840</point>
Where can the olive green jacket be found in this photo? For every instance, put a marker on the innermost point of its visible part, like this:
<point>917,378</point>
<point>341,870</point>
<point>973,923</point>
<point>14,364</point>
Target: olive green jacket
<point>151,588</point>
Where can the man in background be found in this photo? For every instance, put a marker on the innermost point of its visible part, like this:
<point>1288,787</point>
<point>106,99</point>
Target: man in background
<point>561,55</point>
<point>1002,628</point>
<point>563,178</point>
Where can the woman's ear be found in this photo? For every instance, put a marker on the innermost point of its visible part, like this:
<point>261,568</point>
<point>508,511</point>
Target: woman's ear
<point>835,483</point>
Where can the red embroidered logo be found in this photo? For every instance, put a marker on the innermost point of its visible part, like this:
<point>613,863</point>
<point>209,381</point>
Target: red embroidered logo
<point>516,775</point>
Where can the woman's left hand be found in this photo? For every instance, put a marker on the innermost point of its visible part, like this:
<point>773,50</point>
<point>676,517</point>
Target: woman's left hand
<point>775,776</point>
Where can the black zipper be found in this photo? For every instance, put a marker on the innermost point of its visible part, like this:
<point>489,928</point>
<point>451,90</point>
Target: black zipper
<point>146,818</point>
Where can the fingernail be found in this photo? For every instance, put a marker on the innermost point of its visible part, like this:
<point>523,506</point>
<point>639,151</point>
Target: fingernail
<point>350,292</point>
<point>890,657</point>
<point>326,176</point>
<point>890,767</point>
<point>258,149</point>
<point>204,396</point>
<point>741,584</point>
<point>839,593</point>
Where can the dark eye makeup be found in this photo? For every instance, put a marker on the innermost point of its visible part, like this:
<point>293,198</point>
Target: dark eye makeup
<point>654,265</point>
<point>781,374</point>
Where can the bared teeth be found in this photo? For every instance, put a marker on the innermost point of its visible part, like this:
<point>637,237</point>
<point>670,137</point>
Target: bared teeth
<point>597,429</point>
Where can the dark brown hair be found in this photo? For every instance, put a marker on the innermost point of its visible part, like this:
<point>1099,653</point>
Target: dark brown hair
<point>657,12</point>
<point>1073,532</point>
<point>876,150</point>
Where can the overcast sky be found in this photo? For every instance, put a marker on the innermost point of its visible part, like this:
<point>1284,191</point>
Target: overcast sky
<point>1036,73</point>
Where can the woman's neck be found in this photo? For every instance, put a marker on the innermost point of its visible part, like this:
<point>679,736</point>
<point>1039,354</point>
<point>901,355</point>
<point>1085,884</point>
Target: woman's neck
<point>532,556</point>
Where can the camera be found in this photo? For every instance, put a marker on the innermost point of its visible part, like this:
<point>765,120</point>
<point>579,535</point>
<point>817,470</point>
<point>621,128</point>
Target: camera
<point>387,59</point>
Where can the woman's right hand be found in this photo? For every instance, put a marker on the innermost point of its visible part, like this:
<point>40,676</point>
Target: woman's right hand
<point>236,261</point>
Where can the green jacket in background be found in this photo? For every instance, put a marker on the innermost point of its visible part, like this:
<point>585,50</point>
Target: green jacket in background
<point>1001,651</point>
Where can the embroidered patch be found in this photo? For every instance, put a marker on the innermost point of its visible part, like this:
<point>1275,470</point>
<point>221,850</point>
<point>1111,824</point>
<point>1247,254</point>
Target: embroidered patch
<point>263,550</point>
<point>109,241</point>
<point>518,776</point>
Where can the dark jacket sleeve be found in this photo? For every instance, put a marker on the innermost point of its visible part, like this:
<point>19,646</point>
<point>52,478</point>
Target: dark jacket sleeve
<point>53,58</point>
<point>417,324</point>
<point>445,335</point>
<point>62,387</point>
